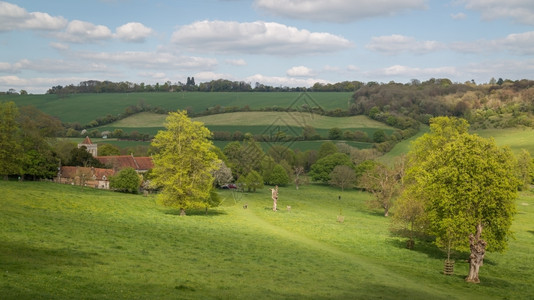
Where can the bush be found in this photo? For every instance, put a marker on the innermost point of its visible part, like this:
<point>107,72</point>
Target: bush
<point>126,181</point>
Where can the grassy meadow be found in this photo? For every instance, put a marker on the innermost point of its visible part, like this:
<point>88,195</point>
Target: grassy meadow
<point>64,242</point>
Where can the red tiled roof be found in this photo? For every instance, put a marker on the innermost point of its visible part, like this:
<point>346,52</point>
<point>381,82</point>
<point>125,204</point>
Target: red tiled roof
<point>72,172</point>
<point>127,161</point>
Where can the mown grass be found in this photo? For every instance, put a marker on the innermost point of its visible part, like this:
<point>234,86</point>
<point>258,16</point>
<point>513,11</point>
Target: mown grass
<point>63,242</point>
<point>515,138</point>
<point>84,108</point>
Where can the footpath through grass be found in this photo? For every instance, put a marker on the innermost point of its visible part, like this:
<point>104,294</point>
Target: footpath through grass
<point>60,242</point>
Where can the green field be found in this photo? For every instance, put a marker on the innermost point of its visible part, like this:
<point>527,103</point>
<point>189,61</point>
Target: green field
<point>83,108</point>
<point>62,242</point>
<point>256,123</point>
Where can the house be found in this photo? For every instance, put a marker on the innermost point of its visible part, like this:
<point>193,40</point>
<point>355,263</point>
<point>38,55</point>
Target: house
<point>119,162</point>
<point>93,177</point>
<point>91,148</point>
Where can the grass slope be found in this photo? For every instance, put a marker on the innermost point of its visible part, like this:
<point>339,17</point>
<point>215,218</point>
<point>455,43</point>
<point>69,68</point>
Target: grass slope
<point>84,108</point>
<point>62,242</point>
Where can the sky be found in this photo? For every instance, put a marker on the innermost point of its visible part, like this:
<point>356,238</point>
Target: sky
<point>272,42</point>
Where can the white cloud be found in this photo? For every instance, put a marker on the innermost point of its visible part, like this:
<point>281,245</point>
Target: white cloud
<point>149,60</point>
<point>13,17</point>
<point>517,43</point>
<point>255,38</point>
<point>83,32</point>
<point>395,44</point>
<point>284,81</point>
<point>59,46</point>
<point>522,11</point>
<point>338,11</point>
<point>411,72</point>
<point>236,62</point>
<point>133,32</point>
<point>300,71</point>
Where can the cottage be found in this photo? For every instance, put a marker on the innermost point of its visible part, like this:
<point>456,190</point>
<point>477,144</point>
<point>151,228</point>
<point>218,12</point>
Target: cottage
<point>93,177</point>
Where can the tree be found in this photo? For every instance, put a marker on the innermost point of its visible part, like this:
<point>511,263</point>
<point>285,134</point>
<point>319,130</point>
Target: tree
<point>183,162</point>
<point>126,181</point>
<point>384,184</point>
<point>468,186</point>
<point>343,177</point>
<point>80,157</point>
<point>379,136</point>
<point>335,133</point>
<point>251,181</point>
<point>108,150</point>
<point>222,174</point>
<point>10,150</point>
<point>525,169</point>
<point>320,170</point>
<point>326,149</point>
<point>278,176</point>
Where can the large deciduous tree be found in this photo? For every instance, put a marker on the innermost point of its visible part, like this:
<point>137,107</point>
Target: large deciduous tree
<point>468,186</point>
<point>384,183</point>
<point>184,162</point>
<point>126,181</point>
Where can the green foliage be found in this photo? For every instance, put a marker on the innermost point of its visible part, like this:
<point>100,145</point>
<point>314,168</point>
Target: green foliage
<point>278,176</point>
<point>320,170</point>
<point>126,181</point>
<point>326,149</point>
<point>252,181</point>
<point>379,136</point>
<point>335,133</point>
<point>80,157</point>
<point>464,180</point>
<point>10,150</point>
<point>108,150</point>
<point>525,169</point>
<point>184,162</point>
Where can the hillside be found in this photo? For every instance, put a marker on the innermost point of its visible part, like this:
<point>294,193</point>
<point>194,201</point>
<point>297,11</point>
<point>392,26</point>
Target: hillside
<point>59,241</point>
<point>84,108</point>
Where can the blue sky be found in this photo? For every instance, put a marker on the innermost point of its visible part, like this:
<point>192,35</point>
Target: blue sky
<point>273,42</point>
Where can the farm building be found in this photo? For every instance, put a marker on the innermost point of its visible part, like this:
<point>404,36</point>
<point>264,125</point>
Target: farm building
<point>93,177</point>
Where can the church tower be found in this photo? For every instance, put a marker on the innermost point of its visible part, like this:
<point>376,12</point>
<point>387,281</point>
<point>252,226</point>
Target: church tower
<point>91,148</point>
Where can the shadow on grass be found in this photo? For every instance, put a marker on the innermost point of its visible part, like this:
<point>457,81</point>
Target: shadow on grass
<point>426,246</point>
<point>195,212</point>
<point>20,256</point>
<point>530,231</point>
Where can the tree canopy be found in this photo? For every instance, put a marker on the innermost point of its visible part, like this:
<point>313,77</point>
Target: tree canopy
<point>184,162</point>
<point>467,184</point>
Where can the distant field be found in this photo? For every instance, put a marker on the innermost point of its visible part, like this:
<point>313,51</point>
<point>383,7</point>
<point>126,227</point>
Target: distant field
<point>84,108</point>
<point>255,123</point>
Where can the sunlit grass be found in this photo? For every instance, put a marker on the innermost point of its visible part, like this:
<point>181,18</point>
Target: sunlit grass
<point>64,242</point>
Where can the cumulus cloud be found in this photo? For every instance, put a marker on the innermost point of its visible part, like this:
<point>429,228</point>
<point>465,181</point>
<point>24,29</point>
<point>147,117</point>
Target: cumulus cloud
<point>255,38</point>
<point>338,11</point>
<point>395,44</point>
<point>300,71</point>
<point>459,16</point>
<point>133,32</point>
<point>83,32</point>
<point>522,11</point>
<point>13,17</point>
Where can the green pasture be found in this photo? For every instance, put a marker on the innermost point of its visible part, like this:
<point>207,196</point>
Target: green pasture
<point>515,138</point>
<point>265,123</point>
<point>83,108</point>
<point>64,242</point>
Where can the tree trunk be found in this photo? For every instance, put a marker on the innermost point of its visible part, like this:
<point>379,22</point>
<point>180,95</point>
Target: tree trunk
<point>476,259</point>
